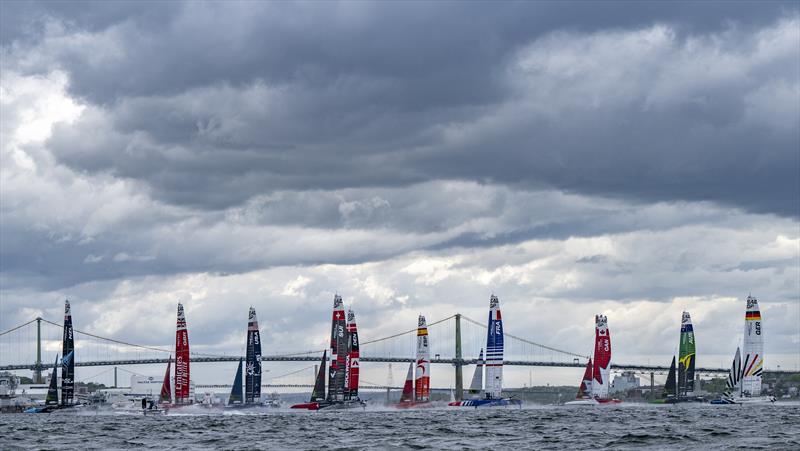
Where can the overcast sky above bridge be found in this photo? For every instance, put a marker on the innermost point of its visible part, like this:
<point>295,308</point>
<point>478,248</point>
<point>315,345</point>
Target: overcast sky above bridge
<point>625,158</point>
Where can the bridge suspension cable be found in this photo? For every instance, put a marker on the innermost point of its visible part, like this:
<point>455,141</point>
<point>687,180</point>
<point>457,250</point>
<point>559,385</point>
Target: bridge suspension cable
<point>108,339</point>
<point>19,327</point>
<point>400,334</point>
<point>549,348</point>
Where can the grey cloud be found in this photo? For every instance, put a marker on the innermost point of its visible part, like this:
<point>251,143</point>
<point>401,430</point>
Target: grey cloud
<point>634,115</point>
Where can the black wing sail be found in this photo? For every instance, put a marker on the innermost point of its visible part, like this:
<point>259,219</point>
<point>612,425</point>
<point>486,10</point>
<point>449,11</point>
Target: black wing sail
<point>68,360</point>
<point>253,375</point>
<point>236,391</point>
<point>319,384</point>
<point>671,386</point>
<point>52,391</point>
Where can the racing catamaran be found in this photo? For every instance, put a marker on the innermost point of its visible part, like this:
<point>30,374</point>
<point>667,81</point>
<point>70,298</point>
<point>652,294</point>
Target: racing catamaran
<point>343,370</point>
<point>679,387</point>
<point>745,376</point>
<point>417,389</point>
<point>595,383</point>
<point>181,396</point>
<point>67,372</point>
<point>492,394</point>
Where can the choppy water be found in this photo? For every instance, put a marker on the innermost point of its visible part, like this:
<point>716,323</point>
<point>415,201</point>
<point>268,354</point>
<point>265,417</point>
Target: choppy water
<point>620,427</point>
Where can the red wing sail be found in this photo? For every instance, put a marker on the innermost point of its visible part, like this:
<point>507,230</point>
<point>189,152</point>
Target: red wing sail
<point>586,383</point>
<point>351,377</point>
<point>166,389</point>
<point>602,357</point>
<point>181,359</point>
<point>336,372</point>
<point>408,387</point>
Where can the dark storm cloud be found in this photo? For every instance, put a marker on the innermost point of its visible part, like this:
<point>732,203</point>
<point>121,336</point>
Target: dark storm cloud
<point>217,102</point>
<point>346,117</point>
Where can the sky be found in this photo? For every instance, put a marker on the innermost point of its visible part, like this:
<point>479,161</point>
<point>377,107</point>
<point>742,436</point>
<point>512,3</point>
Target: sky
<point>573,158</point>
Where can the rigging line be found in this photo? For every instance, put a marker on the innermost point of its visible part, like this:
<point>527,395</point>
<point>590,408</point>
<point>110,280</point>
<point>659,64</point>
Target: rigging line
<point>108,339</point>
<point>528,341</point>
<point>18,327</point>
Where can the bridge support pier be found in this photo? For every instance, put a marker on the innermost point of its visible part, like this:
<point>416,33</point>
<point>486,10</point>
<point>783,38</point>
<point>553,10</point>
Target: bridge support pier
<point>652,386</point>
<point>458,361</point>
<point>37,372</point>
<point>115,378</point>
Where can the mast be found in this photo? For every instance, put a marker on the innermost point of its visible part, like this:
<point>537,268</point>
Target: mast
<point>338,349</point>
<point>181,359</point>
<point>68,359</point>
<point>686,356</point>
<point>494,350</point>
<point>52,390</point>
<point>253,376</point>
<point>753,352</point>
<point>408,387</point>
<point>671,386</point>
<point>351,363</point>
<point>319,383</point>
<point>236,391</point>
<point>585,390</point>
<point>422,380</point>
<point>602,357</point>
<point>477,377</point>
<point>166,390</point>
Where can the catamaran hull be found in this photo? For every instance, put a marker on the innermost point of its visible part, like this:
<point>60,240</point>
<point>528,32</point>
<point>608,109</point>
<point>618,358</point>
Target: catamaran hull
<point>745,401</point>
<point>53,409</point>
<point>683,399</point>
<point>45,409</point>
<point>336,405</point>
<point>593,402</point>
<point>582,402</point>
<point>476,403</point>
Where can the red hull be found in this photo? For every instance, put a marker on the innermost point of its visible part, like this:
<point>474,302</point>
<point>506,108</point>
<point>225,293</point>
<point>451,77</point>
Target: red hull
<point>609,401</point>
<point>307,406</point>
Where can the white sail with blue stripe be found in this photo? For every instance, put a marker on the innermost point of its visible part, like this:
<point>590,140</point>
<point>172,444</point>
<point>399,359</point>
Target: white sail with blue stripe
<point>494,350</point>
<point>493,365</point>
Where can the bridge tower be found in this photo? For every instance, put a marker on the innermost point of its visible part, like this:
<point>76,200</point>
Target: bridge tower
<point>37,371</point>
<point>458,361</point>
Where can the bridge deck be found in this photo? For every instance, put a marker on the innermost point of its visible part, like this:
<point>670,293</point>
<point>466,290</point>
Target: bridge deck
<point>267,358</point>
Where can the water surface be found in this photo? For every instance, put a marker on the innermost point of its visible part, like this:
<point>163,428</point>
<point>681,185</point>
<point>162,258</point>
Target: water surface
<point>552,427</point>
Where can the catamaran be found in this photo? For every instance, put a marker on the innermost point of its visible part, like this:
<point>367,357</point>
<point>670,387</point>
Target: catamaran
<point>744,379</point>
<point>181,396</point>
<point>492,393</point>
<point>249,394</point>
<point>417,388</point>
<point>679,387</point>
<point>344,367</point>
<point>67,372</point>
<point>595,382</point>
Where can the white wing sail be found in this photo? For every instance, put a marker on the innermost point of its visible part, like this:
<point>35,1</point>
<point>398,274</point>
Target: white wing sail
<point>753,353</point>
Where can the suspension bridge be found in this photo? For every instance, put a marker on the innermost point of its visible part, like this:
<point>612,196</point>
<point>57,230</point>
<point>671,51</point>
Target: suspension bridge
<point>22,348</point>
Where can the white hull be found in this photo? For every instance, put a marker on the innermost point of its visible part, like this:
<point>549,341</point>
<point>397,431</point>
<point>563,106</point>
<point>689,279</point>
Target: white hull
<point>754,400</point>
<point>582,402</point>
